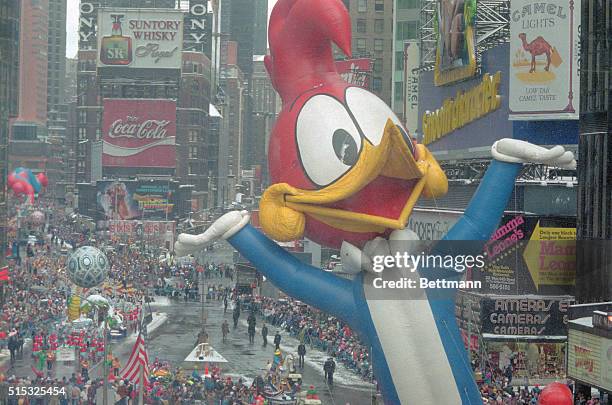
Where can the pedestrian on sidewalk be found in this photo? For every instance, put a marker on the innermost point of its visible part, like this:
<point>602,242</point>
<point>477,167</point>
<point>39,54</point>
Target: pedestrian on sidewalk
<point>251,330</point>
<point>277,340</point>
<point>225,330</point>
<point>264,335</point>
<point>301,353</point>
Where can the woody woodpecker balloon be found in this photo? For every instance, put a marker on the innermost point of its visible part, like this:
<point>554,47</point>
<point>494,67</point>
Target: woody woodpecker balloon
<point>347,174</point>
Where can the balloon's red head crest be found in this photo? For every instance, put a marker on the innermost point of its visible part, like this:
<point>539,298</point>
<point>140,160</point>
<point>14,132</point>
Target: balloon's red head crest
<point>301,33</point>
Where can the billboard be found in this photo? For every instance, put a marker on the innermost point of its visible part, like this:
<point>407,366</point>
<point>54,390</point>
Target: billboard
<point>525,315</point>
<point>198,28</point>
<point>139,133</point>
<point>412,59</point>
<point>131,200</point>
<point>356,71</point>
<point>456,38</point>
<point>530,255</point>
<point>140,38</point>
<point>589,359</point>
<point>544,57</point>
<point>432,224</point>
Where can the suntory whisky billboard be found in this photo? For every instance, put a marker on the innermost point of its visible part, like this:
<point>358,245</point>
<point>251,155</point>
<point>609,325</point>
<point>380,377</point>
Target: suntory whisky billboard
<point>140,38</point>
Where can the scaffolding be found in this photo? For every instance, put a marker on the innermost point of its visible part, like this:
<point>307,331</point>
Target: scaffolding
<point>492,29</point>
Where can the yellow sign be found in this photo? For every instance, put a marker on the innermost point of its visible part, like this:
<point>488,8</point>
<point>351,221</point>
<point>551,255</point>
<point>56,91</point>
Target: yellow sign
<point>550,256</point>
<point>463,109</point>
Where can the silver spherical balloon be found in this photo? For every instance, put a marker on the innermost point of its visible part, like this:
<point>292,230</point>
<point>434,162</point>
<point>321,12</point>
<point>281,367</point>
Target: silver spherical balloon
<point>87,266</point>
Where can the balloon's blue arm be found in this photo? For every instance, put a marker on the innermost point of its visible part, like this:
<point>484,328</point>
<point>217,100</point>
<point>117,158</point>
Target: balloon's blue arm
<point>306,283</point>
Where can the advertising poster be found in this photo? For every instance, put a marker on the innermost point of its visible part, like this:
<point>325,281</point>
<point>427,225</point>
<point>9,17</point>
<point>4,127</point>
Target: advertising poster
<point>412,59</point>
<point>590,359</point>
<point>456,37</point>
<point>356,71</point>
<point>198,28</point>
<point>544,55</point>
<point>525,315</point>
<point>131,200</point>
<point>139,133</point>
<point>530,255</point>
<point>140,38</point>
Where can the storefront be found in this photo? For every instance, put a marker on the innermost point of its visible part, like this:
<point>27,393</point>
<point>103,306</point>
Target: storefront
<point>528,332</point>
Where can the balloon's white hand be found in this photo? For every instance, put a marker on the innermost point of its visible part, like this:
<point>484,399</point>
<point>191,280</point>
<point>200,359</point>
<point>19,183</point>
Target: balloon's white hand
<point>517,151</point>
<point>223,228</point>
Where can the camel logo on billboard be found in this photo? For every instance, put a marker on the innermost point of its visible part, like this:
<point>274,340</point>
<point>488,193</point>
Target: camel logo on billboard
<point>140,38</point>
<point>544,54</point>
<point>139,133</point>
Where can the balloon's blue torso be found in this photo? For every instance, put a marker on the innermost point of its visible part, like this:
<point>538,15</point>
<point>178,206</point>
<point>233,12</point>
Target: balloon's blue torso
<point>415,346</point>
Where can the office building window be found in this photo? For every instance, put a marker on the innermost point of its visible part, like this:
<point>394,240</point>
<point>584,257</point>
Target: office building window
<point>361,26</point>
<point>379,6</point>
<point>361,44</point>
<point>82,117</point>
<point>399,92</point>
<point>82,133</point>
<point>377,84</point>
<point>399,61</point>
<point>406,4</point>
<point>406,30</point>
<point>378,45</point>
<point>193,135</point>
<point>379,25</point>
<point>362,6</point>
<point>193,152</point>
<point>378,65</point>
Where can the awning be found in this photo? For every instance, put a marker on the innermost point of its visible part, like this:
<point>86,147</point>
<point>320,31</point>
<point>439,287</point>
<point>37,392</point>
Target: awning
<point>213,112</point>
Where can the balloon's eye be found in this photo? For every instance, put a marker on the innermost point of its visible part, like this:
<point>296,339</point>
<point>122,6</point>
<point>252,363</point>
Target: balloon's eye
<point>345,147</point>
<point>328,141</point>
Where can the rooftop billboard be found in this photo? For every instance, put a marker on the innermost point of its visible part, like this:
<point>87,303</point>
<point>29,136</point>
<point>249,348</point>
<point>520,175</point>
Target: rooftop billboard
<point>140,38</point>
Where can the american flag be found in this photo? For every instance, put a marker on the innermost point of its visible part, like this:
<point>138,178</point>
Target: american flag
<point>138,359</point>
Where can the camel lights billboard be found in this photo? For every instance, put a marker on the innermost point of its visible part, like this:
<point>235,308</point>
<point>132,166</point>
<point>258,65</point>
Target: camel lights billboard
<point>544,57</point>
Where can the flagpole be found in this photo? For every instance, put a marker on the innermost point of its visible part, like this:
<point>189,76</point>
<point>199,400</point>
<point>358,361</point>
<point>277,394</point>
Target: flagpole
<point>142,368</point>
<point>104,362</point>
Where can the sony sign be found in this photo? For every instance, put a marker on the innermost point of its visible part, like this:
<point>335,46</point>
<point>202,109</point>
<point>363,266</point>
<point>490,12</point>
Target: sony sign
<point>198,28</point>
<point>87,26</point>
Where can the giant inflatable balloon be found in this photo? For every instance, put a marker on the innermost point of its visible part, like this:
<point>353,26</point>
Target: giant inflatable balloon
<point>23,181</point>
<point>347,174</point>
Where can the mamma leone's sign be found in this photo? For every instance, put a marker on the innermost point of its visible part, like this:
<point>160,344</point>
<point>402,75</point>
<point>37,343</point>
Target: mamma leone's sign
<point>140,38</point>
<point>544,55</point>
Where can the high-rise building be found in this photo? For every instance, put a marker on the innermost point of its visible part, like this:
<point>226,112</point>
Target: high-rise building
<point>406,15</point>
<point>33,44</point>
<point>594,220</point>
<point>235,113</point>
<point>9,96</point>
<point>242,30</point>
<point>372,37</point>
<point>265,110</point>
<point>56,104</point>
<point>260,29</point>
<point>187,84</point>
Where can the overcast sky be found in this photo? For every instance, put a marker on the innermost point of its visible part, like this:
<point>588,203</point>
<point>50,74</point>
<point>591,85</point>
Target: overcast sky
<point>72,26</point>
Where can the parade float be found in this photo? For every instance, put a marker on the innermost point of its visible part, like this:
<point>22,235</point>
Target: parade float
<point>345,173</point>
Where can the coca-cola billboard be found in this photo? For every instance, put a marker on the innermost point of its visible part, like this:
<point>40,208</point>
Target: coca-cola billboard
<point>139,133</point>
